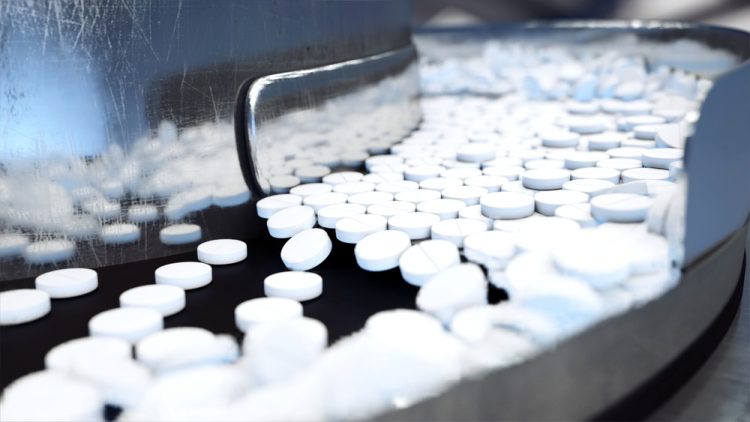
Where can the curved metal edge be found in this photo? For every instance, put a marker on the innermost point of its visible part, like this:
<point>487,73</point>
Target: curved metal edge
<point>593,374</point>
<point>309,87</point>
<point>646,399</point>
<point>242,139</point>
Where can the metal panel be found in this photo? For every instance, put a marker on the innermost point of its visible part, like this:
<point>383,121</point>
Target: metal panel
<point>349,106</point>
<point>130,94</point>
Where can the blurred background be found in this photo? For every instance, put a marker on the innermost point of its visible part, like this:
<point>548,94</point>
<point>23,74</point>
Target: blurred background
<point>720,389</point>
<point>734,13</point>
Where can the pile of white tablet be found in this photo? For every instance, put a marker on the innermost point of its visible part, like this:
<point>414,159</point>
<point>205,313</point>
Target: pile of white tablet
<point>567,191</point>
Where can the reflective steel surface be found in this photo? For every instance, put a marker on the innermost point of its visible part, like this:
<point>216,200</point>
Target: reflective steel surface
<point>117,118</point>
<point>334,115</point>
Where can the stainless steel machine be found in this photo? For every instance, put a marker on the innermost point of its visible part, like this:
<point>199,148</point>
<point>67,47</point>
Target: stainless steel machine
<point>164,103</point>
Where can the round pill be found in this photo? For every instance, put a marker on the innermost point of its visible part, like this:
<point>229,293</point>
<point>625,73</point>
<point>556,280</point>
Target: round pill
<point>51,396</point>
<point>461,172</point>
<point>191,390</point>
<point>585,125</point>
<point>282,183</point>
<point>173,346</point>
<point>308,189</point>
<point>382,159</point>
<point>587,185</point>
<point>142,213</point>
<point>80,227</point>
<point>354,228</point>
<point>579,159</point>
<point>645,173</point>
<point>187,275</point>
<point>391,208</point>
<point>577,107</point>
<point>646,131</point>
<point>265,309</point>
<point>661,158</point>
<point>455,230</point>
<point>490,183</point>
<point>330,215</point>
<point>306,249</point>
<point>230,195</point>
<point>369,198</point>
<point>165,298</point>
<point>630,122</point>
<point>580,213</point>
<point>419,173</point>
<point>638,144</point>
<point>311,174</point>
<point>508,172</point>
<point>559,139</point>
<point>548,201</point>
<point>528,154</point>
<point>605,141</point>
<point>23,305</point>
<point>296,285</point>
<point>416,196</point>
<point>658,187</point>
<point>475,152</point>
<point>281,350</point>
<point>420,262</point>
<point>120,233</point>
<point>289,221</point>
<point>516,186</point>
<point>180,234</point>
<point>399,324</point>
<point>541,235</point>
<point>222,251</point>
<point>670,136</point>
<point>452,289</point>
<point>440,183</point>
<point>320,200</point>
<point>415,224</point>
<point>491,249</point>
<point>12,244</point>
<point>379,178</point>
<point>507,205</point>
<point>102,208</point>
<point>68,282</point>
<point>596,257</point>
<point>351,188</point>
<point>619,164</point>
<point>342,177</point>
<point>129,324</point>
<point>396,186</point>
<point>525,270</point>
<point>269,205</point>
<point>443,208</point>
<point>620,207</point>
<point>474,212</point>
<point>49,251</point>
<point>609,174</point>
<point>62,357</point>
<point>625,152</point>
<point>381,251</point>
<point>468,194</point>
<point>545,179</point>
<point>544,164</point>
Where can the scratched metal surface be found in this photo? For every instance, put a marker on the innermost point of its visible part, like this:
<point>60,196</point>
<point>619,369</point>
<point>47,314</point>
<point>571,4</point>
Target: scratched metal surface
<point>107,104</point>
